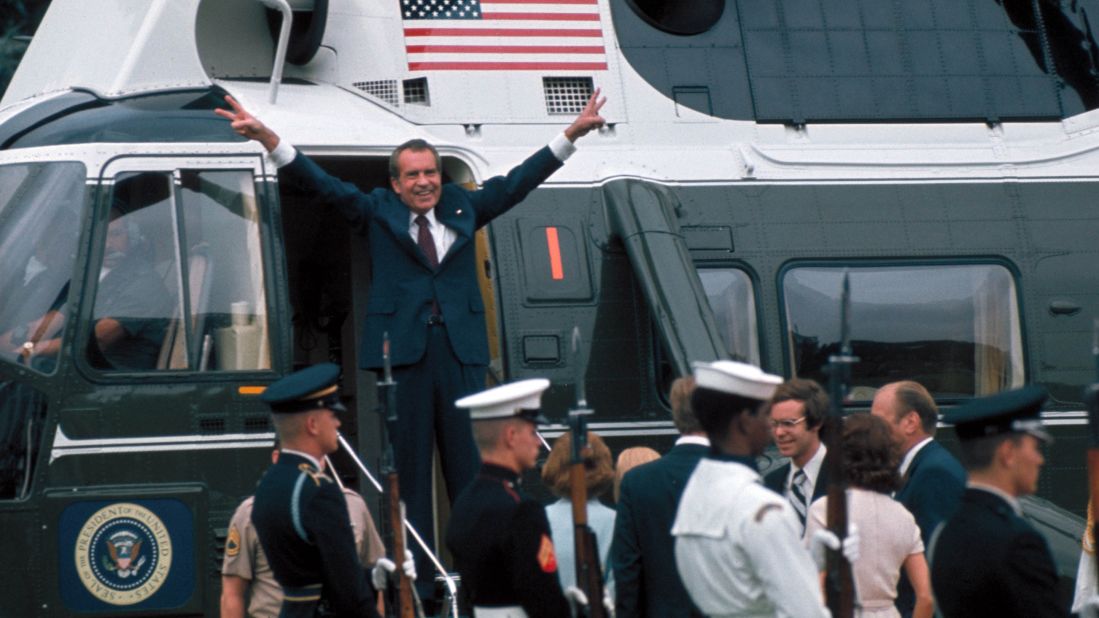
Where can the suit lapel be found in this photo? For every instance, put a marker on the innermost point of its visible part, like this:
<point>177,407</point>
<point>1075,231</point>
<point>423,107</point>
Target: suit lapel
<point>461,220</point>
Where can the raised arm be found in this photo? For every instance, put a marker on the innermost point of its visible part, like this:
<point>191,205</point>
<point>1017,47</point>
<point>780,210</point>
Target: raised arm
<point>249,126</point>
<point>588,119</point>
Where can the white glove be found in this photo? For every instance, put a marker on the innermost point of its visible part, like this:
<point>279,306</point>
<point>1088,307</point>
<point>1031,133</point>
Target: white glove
<point>824,540</point>
<point>576,597</point>
<point>384,568</point>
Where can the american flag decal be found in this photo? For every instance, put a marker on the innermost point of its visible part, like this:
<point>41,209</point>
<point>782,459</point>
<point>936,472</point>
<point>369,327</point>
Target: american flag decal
<point>503,35</point>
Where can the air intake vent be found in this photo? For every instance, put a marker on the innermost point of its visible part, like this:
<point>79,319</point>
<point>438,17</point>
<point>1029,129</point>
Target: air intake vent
<point>566,95</point>
<point>211,425</point>
<point>257,424</point>
<point>384,89</point>
<point>415,92</point>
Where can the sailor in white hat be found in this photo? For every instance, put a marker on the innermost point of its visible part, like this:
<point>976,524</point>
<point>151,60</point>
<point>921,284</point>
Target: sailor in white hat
<point>737,545</point>
<point>500,537</point>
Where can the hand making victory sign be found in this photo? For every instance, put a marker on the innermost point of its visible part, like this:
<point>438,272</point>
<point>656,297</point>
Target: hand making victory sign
<point>248,125</point>
<point>588,119</point>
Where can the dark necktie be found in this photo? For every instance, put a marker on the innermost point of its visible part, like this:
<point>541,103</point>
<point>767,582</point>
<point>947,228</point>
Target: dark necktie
<point>426,241</point>
<point>797,496</point>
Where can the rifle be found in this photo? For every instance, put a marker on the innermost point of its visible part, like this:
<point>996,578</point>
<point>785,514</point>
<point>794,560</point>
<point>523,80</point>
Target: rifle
<point>839,583</point>
<point>589,574</point>
<point>400,602</point>
<point>1091,400</point>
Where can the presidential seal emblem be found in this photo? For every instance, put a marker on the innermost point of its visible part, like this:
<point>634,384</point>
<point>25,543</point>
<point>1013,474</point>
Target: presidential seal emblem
<point>123,554</point>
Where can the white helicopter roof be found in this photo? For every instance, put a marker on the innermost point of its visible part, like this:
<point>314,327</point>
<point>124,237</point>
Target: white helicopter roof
<point>111,47</point>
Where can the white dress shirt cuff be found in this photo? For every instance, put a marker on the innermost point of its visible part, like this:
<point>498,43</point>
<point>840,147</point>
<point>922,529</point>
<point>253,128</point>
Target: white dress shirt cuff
<point>283,154</point>
<point>561,147</point>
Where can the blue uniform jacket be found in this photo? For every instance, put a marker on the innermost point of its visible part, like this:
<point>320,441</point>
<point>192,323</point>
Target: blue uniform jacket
<point>301,519</point>
<point>988,561</point>
<point>403,282</point>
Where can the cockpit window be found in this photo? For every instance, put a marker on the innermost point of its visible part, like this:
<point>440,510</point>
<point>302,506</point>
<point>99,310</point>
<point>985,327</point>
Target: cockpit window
<point>953,328</point>
<point>181,282</point>
<point>41,208</point>
<point>729,291</point>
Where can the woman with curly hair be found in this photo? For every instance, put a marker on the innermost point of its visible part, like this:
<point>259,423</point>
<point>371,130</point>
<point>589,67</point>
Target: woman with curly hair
<point>888,535</point>
<point>599,475</point>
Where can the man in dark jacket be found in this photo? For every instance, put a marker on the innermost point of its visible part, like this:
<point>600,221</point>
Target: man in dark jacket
<point>986,560</point>
<point>933,481</point>
<point>642,557</point>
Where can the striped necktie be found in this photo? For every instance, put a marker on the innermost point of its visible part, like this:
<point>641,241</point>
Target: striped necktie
<point>797,496</point>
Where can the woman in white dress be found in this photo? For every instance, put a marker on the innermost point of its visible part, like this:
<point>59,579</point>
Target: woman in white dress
<point>889,538</point>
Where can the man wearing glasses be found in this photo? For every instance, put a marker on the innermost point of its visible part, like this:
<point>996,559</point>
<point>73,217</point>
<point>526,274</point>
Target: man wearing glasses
<point>798,408</point>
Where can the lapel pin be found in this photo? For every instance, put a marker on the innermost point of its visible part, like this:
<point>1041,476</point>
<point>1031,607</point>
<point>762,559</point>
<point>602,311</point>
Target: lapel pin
<point>458,212</point>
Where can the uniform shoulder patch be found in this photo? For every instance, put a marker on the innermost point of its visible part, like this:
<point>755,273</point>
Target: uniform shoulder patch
<point>547,557</point>
<point>766,508</point>
<point>232,544</point>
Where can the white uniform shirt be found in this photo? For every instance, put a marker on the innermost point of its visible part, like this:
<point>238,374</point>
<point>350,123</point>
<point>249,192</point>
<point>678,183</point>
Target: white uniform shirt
<point>738,549</point>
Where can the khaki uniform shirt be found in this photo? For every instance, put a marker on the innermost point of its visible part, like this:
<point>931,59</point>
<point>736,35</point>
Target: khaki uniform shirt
<point>244,557</point>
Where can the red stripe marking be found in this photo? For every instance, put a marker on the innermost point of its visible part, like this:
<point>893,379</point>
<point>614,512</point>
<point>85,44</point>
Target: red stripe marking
<point>507,66</point>
<point>555,32</point>
<point>502,49</point>
<point>544,16</point>
<point>556,271</point>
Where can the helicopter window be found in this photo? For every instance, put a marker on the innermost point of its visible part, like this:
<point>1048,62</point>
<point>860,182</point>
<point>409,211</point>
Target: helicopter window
<point>679,16</point>
<point>40,214</point>
<point>732,299</point>
<point>181,286</point>
<point>953,328</point>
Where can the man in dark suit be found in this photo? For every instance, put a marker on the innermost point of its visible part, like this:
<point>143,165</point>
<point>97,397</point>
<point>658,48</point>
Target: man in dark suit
<point>798,408</point>
<point>986,560</point>
<point>933,481</point>
<point>642,557</point>
<point>424,290</point>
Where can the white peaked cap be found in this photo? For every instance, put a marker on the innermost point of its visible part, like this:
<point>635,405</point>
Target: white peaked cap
<point>521,398</point>
<point>736,379</point>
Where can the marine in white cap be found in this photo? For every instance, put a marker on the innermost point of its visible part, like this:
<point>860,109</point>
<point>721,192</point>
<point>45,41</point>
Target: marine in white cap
<point>500,537</point>
<point>737,544</point>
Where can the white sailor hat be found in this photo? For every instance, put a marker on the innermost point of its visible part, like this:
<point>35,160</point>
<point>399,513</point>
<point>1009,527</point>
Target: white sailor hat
<point>736,379</point>
<point>521,399</point>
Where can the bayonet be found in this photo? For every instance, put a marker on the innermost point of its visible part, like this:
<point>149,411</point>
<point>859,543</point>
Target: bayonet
<point>589,574</point>
<point>839,581</point>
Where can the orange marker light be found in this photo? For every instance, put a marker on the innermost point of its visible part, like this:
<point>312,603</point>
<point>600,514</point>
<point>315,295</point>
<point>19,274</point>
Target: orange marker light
<point>556,271</point>
<point>251,390</point>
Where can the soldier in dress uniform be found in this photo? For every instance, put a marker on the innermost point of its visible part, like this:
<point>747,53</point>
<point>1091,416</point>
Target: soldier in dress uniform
<point>500,537</point>
<point>738,544</point>
<point>986,559</point>
<point>300,513</point>
<point>248,587</point>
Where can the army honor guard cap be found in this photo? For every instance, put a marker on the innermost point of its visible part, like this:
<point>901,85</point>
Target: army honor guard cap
<point>521,399</point>
<point>736,378</point>
<point>1014,411</point>
<point>308,389</point>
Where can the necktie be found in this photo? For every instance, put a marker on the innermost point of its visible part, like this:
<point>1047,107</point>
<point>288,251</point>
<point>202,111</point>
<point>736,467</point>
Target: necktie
<point>426,241</point>
<point>797,496</point>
